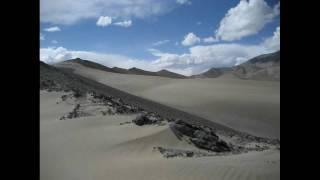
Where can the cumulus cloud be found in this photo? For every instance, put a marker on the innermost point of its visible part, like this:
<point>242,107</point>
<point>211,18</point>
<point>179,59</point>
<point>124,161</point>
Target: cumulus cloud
<point>201,58</point>
<point>42,38</point>
<point>73,11</point>
<point>52,29</point>
<point>247,18</point>
<point>53,55</point>
<point>188,2</point>
<point>158,43</point>
<point>198,59</point>
<point>273,43</point>
<point>190,39</point>
<point>127,23</point>
<point>210,40</point>
<point>54,41</point>
<point>104,21</point>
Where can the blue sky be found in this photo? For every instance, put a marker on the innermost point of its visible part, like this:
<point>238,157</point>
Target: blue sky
<point>156,33</point>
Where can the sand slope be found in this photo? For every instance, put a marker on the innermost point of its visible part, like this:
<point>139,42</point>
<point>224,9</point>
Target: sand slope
<point>98,147</point>
<point>246,105</point>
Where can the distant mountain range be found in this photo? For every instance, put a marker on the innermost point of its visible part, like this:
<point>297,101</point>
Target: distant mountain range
<point>211,73</point>
<point>134,70</point>
<point>263,67</point>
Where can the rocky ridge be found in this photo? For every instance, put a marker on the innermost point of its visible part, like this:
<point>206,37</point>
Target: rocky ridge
<point>209,141</point>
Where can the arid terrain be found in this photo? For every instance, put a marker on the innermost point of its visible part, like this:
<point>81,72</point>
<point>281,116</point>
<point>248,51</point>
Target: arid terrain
<point>248,105</point>
<point>99,124</point>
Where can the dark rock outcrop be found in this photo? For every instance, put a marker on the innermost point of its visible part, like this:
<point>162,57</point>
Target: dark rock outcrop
<point>117,104</point>
<point>202,137</point>
<point>148,119</point>
<point>171,153</point>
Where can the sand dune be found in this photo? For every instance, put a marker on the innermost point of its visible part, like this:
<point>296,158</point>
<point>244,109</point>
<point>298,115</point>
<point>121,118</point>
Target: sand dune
<point>246,105</point>
<point>98,147</point>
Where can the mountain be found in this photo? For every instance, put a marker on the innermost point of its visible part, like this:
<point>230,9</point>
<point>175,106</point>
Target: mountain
<point>166,73</point>
<point>211,73</point>
<point>138,71</point>
<point>120,70</point>
<point>134,70</point>
<point>162,73</point>
<point>263,67</point>
<point>91,64</point>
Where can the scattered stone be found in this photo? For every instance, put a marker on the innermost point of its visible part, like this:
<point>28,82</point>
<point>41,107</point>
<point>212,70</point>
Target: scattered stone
<point>123,123</point>
<point>103,113</point>
<point>117,101</point>
<point>111,111</point>
<point>64,97</point>
<point>73,114</point>
<point>170,153</point>
<point>47,84</point>
<point>76,93</point>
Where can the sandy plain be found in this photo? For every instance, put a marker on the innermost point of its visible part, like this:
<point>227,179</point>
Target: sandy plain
<point>98,147</point>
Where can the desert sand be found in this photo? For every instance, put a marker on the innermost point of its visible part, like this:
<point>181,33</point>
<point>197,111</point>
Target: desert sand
<point>246,105</point>
<point>98,147</point>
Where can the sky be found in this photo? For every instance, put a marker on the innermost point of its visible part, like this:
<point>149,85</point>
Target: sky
<point>183,36</point>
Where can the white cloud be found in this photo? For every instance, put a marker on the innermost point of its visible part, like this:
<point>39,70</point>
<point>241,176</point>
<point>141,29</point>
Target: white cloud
<point>247,18</point>
<point>54,42</point>
<point>199,23</point>
<point>273,43</point>
<point>73,11</point>
<point>104,21</point>
<point>210,40</point>
<point>201,58</point>
<point>52,29</point>
<point>158,43</point>
<point>190,39</point>
<point>53,55</point>
<point>127,23</point>
<point>57,54</point>
<point>42,38</point>
<point>197,60</point>
<point>188,2</point>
